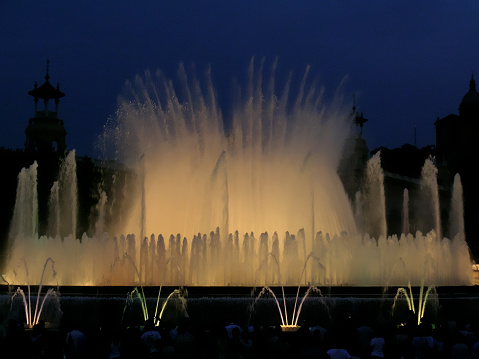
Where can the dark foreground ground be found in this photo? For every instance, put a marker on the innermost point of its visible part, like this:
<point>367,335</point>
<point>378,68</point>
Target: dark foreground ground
<point>110,326</point>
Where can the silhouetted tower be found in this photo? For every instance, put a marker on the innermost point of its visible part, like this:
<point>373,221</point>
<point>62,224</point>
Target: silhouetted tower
<point>355,155</point>
<point>45,131</point>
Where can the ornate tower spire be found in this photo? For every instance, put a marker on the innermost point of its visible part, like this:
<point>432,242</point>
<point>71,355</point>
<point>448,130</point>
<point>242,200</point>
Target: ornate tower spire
<point>45,132</point>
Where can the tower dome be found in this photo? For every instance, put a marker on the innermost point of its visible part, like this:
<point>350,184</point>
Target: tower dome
<point>469,107</point>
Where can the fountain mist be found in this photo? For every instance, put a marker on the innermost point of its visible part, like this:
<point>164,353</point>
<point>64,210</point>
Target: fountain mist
<point>227,199</point>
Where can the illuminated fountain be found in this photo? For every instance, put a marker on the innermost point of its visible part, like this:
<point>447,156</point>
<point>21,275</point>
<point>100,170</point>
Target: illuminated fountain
<point>140,293</point>
<point>427,289</point>
<point>178,294</point>
<point>31,321</point>
<point>421,303</point>
<point>217,201</point>
<point>289,324</point>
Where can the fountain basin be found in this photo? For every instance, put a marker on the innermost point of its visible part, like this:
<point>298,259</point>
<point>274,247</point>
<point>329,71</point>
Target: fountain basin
<point>290,328</point>
<point>219,306</point>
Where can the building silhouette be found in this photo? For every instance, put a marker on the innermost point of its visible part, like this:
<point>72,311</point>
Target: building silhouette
<point>457,153</point>
<point>456,134</point>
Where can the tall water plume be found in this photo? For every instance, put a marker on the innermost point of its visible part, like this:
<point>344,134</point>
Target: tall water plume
<point>54,211</point>
<point>68,181</point>
<point>373,201</point>
<point>25,212</point>
<point>405,212</point>
<point>100,227</point>
<point>270,172</point>
<point>456,214</point>
<point>63,207</point>
<point>429,211</point>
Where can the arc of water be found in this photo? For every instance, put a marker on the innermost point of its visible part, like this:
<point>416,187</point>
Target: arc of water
<point>282,289</point>
<point>28,306</point>
<point>428,291</point>
<point>310,289</point>
<point>423,295</point>
<point>156,318</point>
<point>36,318</point>
<point>295,318</point>
<point>50,292</point>
<point>420,304</point>
<point>142,302</point>
<point>142,296</point>
<point>20,292</point>
<point>176,292</point>
<point>277,303</point>
<point>409,300</point>
<point>422,301</point>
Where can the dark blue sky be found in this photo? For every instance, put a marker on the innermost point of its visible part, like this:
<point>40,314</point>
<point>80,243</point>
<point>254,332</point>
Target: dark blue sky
<point>408,62</point>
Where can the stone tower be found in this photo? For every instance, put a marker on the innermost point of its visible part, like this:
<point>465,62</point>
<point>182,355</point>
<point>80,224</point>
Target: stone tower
<point>45,132</point>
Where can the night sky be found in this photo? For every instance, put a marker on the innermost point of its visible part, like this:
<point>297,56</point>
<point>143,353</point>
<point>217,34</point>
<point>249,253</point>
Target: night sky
<point>406,62</point>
